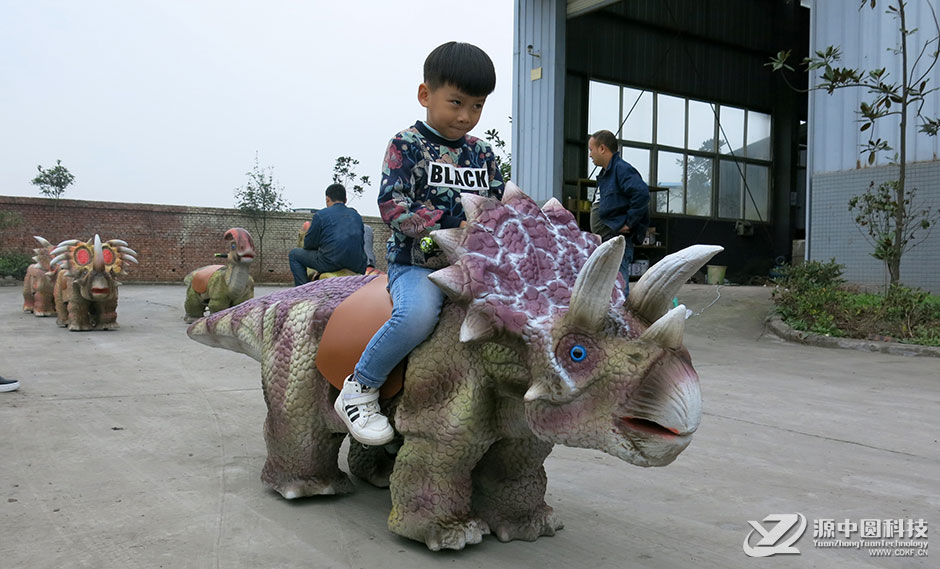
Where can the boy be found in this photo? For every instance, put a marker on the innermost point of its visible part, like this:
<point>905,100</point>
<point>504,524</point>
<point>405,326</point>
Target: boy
<point>426,168</point>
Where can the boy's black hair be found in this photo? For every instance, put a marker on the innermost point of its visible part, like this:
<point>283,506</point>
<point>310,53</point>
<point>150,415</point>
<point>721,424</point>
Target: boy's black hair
<point>336,192</point>
<point>462,65</point>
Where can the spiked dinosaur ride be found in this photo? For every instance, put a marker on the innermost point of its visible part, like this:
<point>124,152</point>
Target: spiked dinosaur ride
<point>536,347</point>
<point>39,281</point>
<point>218,287</point>
<point>85,293</point>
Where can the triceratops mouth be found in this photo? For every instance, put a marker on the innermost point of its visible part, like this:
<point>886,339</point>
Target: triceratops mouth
<point>647,427</point>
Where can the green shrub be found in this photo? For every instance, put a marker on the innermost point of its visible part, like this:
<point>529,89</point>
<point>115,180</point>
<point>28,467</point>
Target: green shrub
<point>14,264</point>
<point>812,297</point>
<point>809,298</point>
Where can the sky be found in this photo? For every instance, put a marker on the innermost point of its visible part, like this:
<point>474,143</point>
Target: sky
<point>170,101</point>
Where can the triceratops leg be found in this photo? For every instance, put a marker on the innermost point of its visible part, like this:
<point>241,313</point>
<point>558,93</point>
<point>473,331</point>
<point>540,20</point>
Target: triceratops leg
<point>509,490</point>
<point>303,445</point>
<point>106,314</point>
<point>370,463</point>
<point>79,314</point>
<point>193,306</point>
<point>430,490</point>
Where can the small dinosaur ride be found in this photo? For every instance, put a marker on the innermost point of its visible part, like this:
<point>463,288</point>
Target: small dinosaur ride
<point>86,287</point>
<point>536,346</point>
<point>218,287</point>
<point>39,281</point>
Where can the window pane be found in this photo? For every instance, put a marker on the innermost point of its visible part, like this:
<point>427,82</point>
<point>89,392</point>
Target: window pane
<point>670,121</point>
<point>701,126</point>
<point>758,135</point>
<point>639,158</point>
<point>669,169</point>
<point>758,182</point>
<point>603,107</point>
<point>639,124</point>
<point>699,179</point>
<point>730,185</point>
<point>731,131</point>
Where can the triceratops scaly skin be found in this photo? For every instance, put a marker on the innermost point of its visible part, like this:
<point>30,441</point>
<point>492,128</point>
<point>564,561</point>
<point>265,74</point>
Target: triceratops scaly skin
<point>536,348</point>
<point>39,281</point>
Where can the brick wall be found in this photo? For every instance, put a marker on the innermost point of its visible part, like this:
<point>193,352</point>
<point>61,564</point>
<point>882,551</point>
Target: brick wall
<point>170,240</point>
<point>833,232</point>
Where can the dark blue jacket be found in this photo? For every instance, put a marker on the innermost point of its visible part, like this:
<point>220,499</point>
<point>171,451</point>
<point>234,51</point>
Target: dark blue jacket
<point>337,233</point>
<point>625,199</point>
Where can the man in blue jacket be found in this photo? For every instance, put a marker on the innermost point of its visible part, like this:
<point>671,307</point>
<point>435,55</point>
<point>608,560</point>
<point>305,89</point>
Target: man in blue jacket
<point>334,240</point>
<point>624,198</point>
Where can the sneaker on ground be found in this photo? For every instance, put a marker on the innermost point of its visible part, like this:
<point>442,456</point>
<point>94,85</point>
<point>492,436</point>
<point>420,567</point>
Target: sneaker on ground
<point>358,407</point>
<point>8,384</point>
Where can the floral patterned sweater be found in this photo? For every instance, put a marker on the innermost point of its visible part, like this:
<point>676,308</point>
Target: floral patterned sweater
<point>423,176</point>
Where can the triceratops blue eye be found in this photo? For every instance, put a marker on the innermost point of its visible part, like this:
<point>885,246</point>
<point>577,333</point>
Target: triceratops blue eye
<point>577,353</point>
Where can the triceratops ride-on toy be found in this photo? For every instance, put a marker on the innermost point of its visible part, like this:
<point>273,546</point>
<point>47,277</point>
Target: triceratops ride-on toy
<point>40,281</point>
<point>218,287</point>
<point>536,346</point>
<point>86,288</point>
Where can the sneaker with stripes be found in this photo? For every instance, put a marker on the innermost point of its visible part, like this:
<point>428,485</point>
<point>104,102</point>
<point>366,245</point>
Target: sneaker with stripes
<point>358,407</point>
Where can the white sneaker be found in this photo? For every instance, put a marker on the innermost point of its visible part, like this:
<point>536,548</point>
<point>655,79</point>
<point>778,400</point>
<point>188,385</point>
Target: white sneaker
<point>358,407</point>
<point>8,384</point>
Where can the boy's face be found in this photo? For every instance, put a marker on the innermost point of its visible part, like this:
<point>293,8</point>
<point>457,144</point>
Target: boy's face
<point>451,112</point>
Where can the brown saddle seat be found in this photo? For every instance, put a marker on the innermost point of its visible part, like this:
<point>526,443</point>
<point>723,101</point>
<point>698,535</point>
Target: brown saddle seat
<point>201,277</point>
<point>348,331</point>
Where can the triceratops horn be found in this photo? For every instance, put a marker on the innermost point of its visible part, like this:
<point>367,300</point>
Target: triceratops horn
<point>99,255</point>
<point>65,245</point>
<point>449,242</point>
<point>667,331</point>
<point>512,191</point>
<point>652,295</point>
<point>42,241</point>
<point>590,298</point>
<point>472,205</point>
<point>538,390</point>
<point>59,258</point>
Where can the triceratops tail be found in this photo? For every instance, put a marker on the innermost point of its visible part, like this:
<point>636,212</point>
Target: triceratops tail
<point>238,329</point>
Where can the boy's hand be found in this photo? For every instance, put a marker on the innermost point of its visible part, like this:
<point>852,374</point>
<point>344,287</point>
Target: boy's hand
<point>463,224</point>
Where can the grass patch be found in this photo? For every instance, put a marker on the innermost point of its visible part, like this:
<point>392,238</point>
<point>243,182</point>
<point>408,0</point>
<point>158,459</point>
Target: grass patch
<point>813,297</point>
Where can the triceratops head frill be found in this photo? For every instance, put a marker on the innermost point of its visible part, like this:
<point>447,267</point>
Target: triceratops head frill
<point>514,265</point>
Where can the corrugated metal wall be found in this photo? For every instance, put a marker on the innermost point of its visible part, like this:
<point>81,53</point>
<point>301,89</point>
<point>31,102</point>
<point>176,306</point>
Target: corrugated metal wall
<point>537,102</point>
<point>865,37</point>
<point>714,50</point>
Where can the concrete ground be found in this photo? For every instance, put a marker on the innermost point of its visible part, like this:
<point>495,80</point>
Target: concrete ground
<point>140,448</point>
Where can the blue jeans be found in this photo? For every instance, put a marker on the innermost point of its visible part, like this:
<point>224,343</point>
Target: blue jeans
<point>416,306</point>
<point>625,265</point>
<point>300,259</point>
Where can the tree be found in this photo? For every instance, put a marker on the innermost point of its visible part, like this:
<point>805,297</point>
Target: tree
<point>887,213</point>
<point>344,172</point>
<point>503,156</point>
<point>699,177</point>
<point>258,199</point>
<point>53,181</point>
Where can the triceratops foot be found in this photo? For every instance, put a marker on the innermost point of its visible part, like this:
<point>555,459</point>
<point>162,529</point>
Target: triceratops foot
<point>301,488</point>
<point>373,464</point>
<point>542,522</point>
<point>455,535</point>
